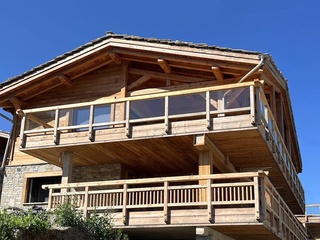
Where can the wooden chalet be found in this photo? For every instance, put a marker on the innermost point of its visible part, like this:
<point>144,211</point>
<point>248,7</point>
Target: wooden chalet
<point>200,140</point>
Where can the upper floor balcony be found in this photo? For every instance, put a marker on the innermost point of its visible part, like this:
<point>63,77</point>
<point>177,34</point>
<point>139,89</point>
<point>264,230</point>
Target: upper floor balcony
<point>156,132</point>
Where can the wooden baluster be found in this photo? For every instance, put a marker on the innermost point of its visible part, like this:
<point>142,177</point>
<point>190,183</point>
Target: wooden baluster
<point>166,114</point>
<point>208,120</point>
<point>22,135</point>
<point>256,197</point>
<point>128,119</point>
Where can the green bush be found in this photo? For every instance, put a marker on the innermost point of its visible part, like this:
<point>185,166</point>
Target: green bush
<point>98,226</point>
<point>6,226</point>
<point>35,225</point>
<point>17,223</point>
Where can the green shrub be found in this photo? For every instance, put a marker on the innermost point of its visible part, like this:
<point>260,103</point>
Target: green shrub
<point>6,226</point>
<point>98,226</point>
<point>67,215</point>
<point>17,223</point>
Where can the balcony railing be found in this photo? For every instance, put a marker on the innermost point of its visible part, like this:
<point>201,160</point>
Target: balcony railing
<point>279,147</point>
<point>250,190</point>
<point>50,123</point>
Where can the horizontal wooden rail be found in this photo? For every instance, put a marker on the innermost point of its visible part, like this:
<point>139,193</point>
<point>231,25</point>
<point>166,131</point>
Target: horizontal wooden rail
<point>143,97</point>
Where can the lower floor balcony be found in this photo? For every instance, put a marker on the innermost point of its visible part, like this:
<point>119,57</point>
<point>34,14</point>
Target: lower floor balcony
<point>238,205</point>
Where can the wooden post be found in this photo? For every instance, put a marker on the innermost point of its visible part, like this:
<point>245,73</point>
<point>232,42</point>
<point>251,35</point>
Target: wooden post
<point>67,169</point>
<point>50,199</point>
<point>165,202</point>
<point>252,106</point>
<point>56,125</point>
<point>209,201</point>
<point>256,198</point>
<point>263,210</point>
<point>22,135</point>
<point>128,118</point>
<point>208,120</point>
<point>124,203</point>
<point>86,202</point>
<point>166,114</point>
<point>91,114</point>
<point>205,168</point>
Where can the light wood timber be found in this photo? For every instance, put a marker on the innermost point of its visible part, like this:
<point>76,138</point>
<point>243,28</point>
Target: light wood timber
<point>67,167</point>
<point>164,76</point>
<point>65,80</point>
<point>164,65</point>
<point>138,82</point>
<point>217,73</point>
<point>220,161</point>
<point>115,57</point>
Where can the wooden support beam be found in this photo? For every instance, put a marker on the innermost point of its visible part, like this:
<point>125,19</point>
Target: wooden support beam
<point>65,80</point>
<point>203,143</point>
<point>217,73</point>
<point>165,76</point>
<point>164,65</point>
<point>38,121</point>
<point>138,82</point>
<point>115,57</point>
<point>18,105</point>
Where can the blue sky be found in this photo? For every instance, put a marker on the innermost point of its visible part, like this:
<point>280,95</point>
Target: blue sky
<point>33,32</point>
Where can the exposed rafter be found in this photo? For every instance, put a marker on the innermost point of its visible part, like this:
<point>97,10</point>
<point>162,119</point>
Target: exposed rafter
<point>17,103</point>
<point>164,65</point>
<point>65,80</point>
<point>115,57</point>
<point>217,73</point>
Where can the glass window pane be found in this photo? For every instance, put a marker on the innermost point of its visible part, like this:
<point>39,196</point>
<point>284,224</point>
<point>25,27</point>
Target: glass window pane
<point>101,114</point>
<point>147,108</point>
<point>187,104</point>
<point>81,116</point>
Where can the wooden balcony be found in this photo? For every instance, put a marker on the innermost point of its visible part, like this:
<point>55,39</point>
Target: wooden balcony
<point>247,201</point>
<point>152,130</point>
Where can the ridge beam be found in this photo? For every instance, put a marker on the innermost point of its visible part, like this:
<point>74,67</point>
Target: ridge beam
<point>203,143</point>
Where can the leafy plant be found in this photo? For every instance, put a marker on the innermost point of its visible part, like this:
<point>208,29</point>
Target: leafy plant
<point>6,226</point>
<point>67,215</point>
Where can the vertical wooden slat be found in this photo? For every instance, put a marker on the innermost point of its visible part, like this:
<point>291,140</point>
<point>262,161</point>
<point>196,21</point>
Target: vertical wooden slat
<point>124,203</point>
<point>166,114</point>
<point>165,202</point>
<point>91,114</point>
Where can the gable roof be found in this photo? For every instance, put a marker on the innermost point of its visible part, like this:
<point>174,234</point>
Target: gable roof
<point>110,35</point>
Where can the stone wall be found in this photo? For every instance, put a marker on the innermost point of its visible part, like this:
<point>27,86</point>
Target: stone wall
<point>13,181</point>
<point>12,187</point>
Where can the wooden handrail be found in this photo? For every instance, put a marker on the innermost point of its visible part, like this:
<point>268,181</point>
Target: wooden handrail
<point>220,176</point>
<point>110,100</point>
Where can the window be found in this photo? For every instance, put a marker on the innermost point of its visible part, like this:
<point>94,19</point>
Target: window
<point>33,192</point>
